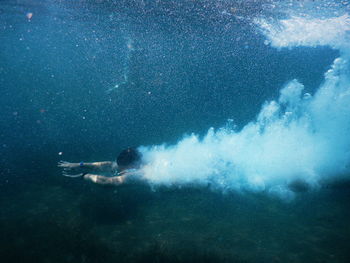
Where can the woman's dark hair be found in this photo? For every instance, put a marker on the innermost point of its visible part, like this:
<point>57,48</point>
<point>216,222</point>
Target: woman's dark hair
<point>129,157</point>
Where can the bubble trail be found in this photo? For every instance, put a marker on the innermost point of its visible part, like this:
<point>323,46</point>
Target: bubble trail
<point>297,138</point>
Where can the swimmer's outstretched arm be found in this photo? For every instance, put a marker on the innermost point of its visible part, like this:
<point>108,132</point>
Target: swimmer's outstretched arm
<point>105,180</point>
<point>123,177</point>
<point>96,166</point>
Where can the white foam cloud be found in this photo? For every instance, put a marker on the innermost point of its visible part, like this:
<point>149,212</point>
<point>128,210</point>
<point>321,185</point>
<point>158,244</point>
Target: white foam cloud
<point>302,31</point>
<point>298,137</point>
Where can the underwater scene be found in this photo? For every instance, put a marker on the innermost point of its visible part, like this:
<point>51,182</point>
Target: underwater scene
<point>175,131</point>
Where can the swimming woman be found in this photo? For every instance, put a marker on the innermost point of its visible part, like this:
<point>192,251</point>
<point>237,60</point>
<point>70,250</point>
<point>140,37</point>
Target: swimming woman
<point>124,169</point>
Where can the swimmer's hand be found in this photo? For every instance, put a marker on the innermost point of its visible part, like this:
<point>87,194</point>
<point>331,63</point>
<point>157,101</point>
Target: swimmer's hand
<point>72,170</point>
<point>67,166</point>
<point>73,175</point>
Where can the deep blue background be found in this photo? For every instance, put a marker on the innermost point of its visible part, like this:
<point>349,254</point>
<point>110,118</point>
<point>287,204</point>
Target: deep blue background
<point>196,64</point>
<point>201,65</point>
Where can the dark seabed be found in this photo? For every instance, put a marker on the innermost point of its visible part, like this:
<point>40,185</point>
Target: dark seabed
<point>82,80</point>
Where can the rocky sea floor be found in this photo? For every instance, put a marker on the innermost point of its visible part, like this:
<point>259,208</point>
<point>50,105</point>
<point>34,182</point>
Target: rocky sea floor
<point>75,221</point>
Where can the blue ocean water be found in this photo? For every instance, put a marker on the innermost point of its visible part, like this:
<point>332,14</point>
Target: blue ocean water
<point>240,109</point>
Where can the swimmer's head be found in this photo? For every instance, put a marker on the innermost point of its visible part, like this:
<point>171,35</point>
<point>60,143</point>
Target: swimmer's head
<point>129,158</point>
